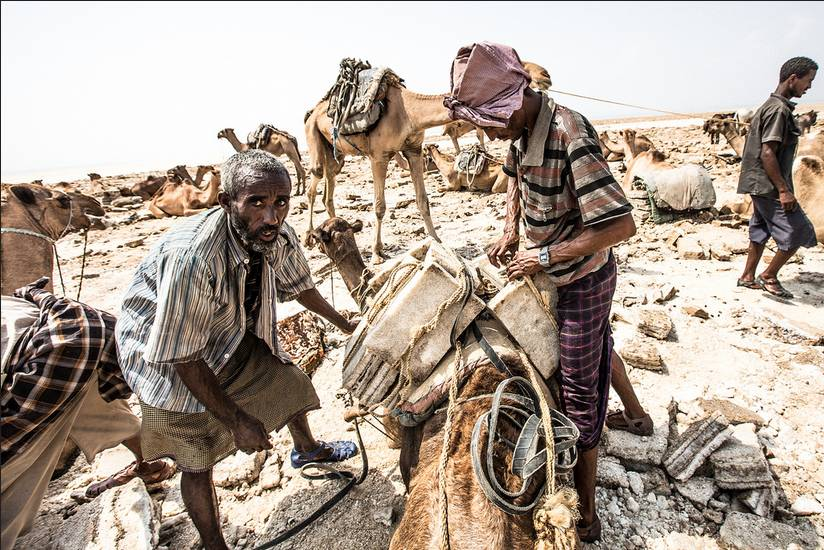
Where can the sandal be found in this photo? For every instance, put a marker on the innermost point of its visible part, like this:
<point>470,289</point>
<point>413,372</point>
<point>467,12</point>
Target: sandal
<point>591,532</point>
<point>340,451</point>
<point>764,284</point>
<point>619,420</point>
<point>150,472</point>
<point>748,284</point>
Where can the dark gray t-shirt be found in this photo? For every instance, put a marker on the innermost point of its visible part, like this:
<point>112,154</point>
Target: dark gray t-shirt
<point>773,121</point>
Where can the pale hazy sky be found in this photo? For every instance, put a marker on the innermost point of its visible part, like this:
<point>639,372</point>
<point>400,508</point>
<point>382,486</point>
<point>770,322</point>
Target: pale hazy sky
<point>101,86</point>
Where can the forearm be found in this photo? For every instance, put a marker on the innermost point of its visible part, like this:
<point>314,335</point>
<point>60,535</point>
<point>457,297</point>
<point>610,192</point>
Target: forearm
<point>314,302</point>
<point>594,239</point>
<point>202,382</point>
<point>513,207</point>
<point>773,170</point>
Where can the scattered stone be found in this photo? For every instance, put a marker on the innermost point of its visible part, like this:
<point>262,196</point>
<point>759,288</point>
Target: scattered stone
<point>654,321</point>
<point>635,483</point>
<point>695,312</point>
<point>238,468</point>
<point>127,201</point>
<point>660,294</point>
<point>735,414</point>
<point>633,506</point>
<point>655,481</point>
<point>749,532</point>
<point>715,516</point>
<point>806,505</point>
<point>270,477</point>
<point>640,453</point>
<point>699,490</point>
<point>642,353</point>
<point>135,243</point>
<point>301,336</point>
<point>699,440</point>
<point>690,249</point>
<point>760,501</point>
<point>383,516</point>
<point>739,463</point>
<point>611,473</point>
<point>720,252</point>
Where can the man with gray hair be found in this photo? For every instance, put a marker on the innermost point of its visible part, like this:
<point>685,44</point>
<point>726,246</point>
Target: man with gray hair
<point>197,336</point>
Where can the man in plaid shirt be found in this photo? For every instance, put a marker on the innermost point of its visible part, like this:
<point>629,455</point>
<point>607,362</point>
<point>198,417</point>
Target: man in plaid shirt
<point>60,381</point>
<point>573,211</point>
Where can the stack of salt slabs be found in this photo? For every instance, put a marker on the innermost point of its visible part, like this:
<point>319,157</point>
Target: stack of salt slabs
<point>406,333</point>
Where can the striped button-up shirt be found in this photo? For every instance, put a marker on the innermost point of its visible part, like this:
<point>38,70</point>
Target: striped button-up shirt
<point>565,185</point>
<point>186,303</point>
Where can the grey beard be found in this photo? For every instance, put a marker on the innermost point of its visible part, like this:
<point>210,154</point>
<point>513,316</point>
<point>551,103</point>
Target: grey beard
<point>250,243</point>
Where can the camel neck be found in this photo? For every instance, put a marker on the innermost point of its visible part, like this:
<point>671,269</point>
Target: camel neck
<point>425,111</point>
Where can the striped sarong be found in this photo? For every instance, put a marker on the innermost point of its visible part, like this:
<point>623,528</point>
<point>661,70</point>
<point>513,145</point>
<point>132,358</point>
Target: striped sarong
<point>586,347</point>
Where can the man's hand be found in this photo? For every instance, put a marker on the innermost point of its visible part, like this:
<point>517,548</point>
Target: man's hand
<point>524,264</point>
<point>500,252</point>
<point>250,434</point>
<point>788,202</point>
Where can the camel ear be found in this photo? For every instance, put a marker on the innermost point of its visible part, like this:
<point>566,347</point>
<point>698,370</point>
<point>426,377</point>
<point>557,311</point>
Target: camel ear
<point>357,226</point>
<point>23,194</point>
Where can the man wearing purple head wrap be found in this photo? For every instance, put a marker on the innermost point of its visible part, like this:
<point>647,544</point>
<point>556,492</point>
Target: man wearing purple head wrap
<point>573,212</point>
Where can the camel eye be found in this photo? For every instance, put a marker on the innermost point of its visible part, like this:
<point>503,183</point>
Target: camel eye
<point>64,201</point>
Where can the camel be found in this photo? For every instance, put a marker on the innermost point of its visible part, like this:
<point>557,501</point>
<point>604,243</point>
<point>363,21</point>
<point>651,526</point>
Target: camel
<point>744,116</point>
<point>400,129</point>
<point>492,177</point>
<point>811,144</point>
<point>181,197</point>
<point>147,188</point>
<point>458,128</point>
<point>280,143</point>
<point>806,121</point>
<point>471,516</point>
<point>540,76</point>
<point>48,214</point>
<point>713,126</point>
<point>613,150</point>
<point>734,136</point>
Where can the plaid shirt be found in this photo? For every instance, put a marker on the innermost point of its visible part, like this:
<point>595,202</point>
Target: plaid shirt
<point>565,185</point>
<point>50,364</point>
<point>186,302</point>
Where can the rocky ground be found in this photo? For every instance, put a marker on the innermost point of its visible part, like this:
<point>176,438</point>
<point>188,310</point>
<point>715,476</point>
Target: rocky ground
<point>694,343</point>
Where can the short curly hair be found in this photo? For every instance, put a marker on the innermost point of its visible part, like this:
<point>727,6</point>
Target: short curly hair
<point>236,170</point>
<point>798,66</point>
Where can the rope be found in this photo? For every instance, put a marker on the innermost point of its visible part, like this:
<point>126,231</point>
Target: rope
<point>59,271</point>
<point>553,90</point>
<point>83,264</point>
<point>447,431</point>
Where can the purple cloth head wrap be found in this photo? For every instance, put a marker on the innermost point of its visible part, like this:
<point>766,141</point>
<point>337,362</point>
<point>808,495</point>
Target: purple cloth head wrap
<point>488,82</point>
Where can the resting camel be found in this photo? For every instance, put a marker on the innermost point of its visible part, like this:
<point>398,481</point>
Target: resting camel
<point>613,150</point>
<point>539,75</point>
<point>491,178</point>
<point>400,129</point>
<point>181,197</point>
<point>147,188</point>
<point>46,212</point>
<point>458,128</point>
<point>471,516</point>
<point>714,126</point>
<point>280,143</point>
<point>806,121</point>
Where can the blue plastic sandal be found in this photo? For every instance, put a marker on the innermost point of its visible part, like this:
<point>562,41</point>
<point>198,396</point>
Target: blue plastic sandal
<point>341,450</point>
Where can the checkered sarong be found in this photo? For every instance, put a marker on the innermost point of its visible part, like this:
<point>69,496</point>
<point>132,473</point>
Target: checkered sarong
<point>586,347</point>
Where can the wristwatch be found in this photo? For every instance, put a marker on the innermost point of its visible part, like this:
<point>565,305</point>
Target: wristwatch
<point>543,256</point>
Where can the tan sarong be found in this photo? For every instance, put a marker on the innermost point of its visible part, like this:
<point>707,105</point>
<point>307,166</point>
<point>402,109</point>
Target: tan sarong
<point>259,382</point>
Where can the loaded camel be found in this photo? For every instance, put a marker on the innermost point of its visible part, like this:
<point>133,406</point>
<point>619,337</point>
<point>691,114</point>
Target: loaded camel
<point>714,126</point>
<point>492,177</point>
<point>806,121</point>
<point>399,130</point>
<point>278,143</point>
<point>45,215</point>
<point>613,150</point>
<point>181,197</point>
<point>471,516</point>
<point>458,128</point>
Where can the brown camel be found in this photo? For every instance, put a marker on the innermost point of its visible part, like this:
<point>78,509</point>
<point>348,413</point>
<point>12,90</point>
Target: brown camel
<point>806,121</point>
<point>458,128</point>
<point>714,126</point>
<point>45,215</point>
<point>734,136</point>
<point>492,177</point>
<point>147,188</point>
<point>280,143</point>
<point>539,75</point>
<point>181,197</point>
<point>471,516</point>
<point>400,129</point>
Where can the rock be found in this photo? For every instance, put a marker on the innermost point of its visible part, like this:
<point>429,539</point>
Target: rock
<point>660,294</point>
<point>689,450</point>
<point>806,505</point>
<point>749,532</point>
<point>611,473</point>
<point>635,483</point>
<point>383,515</point>
<point>301,336</point>
<point>695,312</point>
<point>719,251</point>
<point>760,501</point>
<point>127,201</point>
<point>641,353</point>
<point>633,506</point>
<point>135,243</point>
<point>109,462</point>
<point>690,249</point>
<point>699,490</point>
<point>715,516</point>
<point>739,463</point>
<point>655,481</point>
<point>639,452</point>
<point>735,414</point>
<point>654,321</point>
<point>270,474</point>
<point>238,468</point>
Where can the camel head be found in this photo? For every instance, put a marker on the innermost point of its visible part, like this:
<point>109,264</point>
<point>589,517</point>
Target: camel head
<point>628,135</point>
<point>224,134</point>
<point>336,238</point>
<point>94,176</point>
<point>430,148</point>
<point>55,211</point>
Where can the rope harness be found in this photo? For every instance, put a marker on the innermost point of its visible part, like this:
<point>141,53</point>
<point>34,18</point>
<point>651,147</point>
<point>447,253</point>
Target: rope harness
<point>342,96</point>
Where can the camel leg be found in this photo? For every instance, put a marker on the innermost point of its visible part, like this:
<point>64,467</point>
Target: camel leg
<point>480,134</point>
<point>415,159</point>
<point>311,193</point>
<point>294,156</point>
<point>455,144</point>
<point>329,191</point>
<point>379,167</point>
